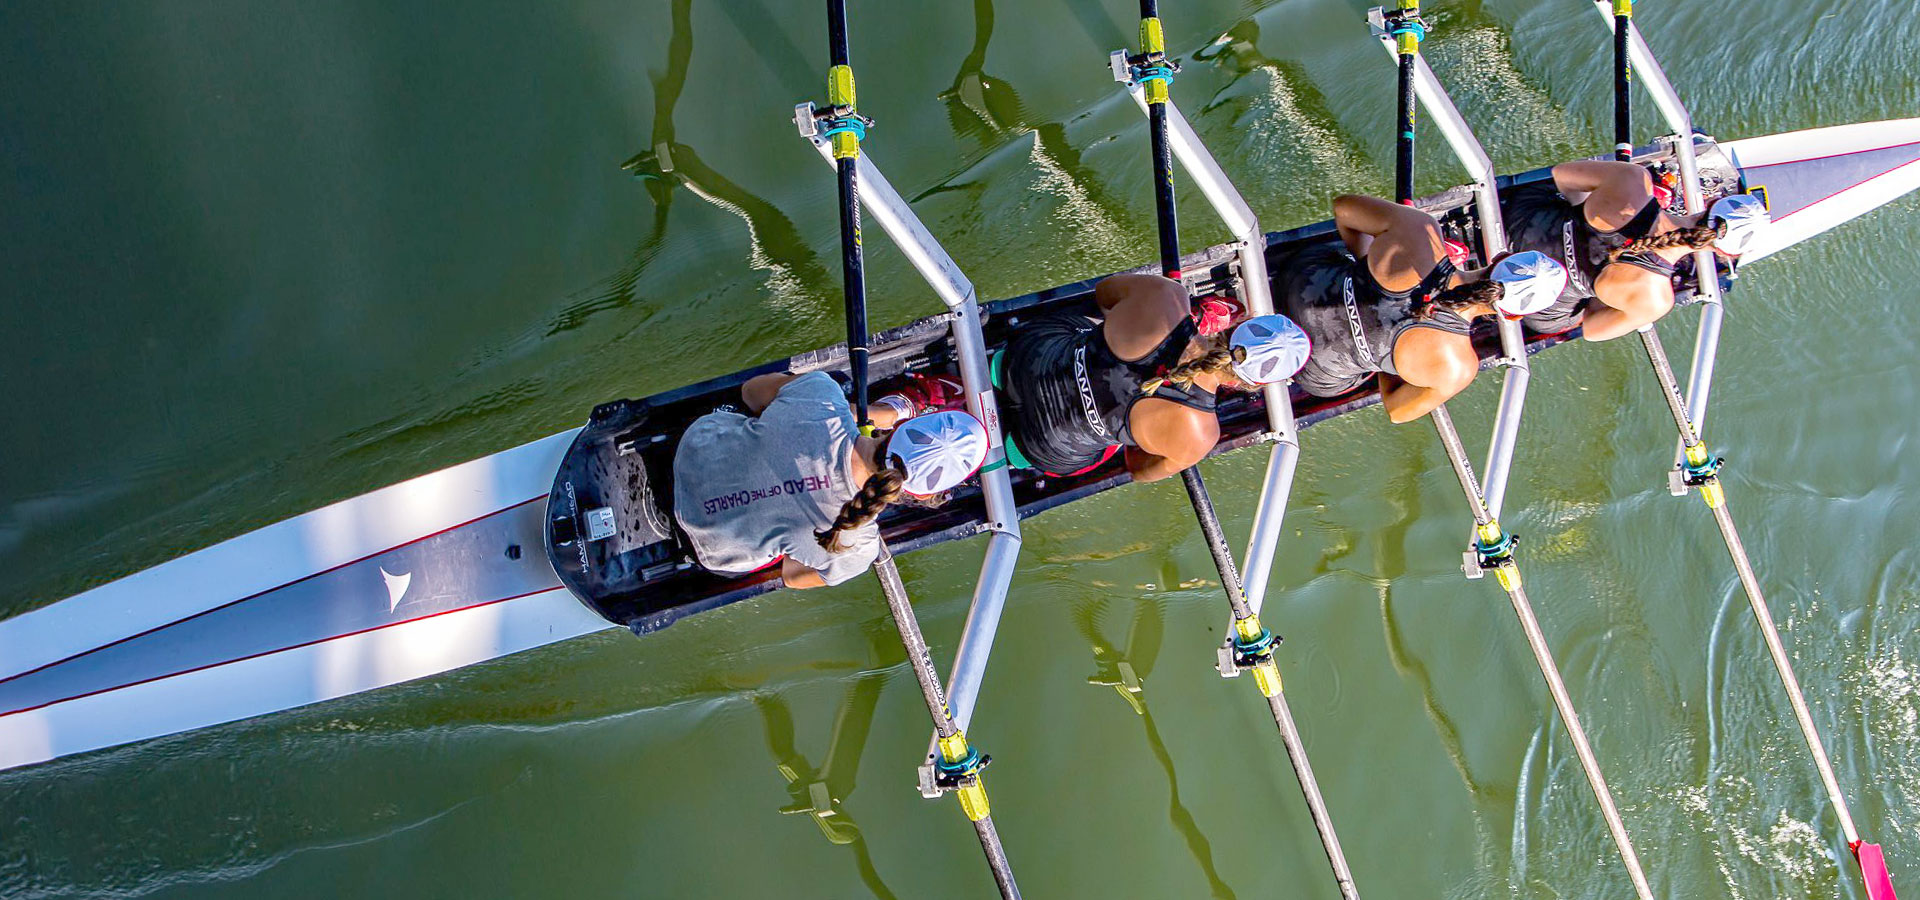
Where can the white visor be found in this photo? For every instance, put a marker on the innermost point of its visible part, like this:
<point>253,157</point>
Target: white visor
<point>1532,281</point>
<point>1745,218</point>
<point>1269,349</point>
<point>938,451</point>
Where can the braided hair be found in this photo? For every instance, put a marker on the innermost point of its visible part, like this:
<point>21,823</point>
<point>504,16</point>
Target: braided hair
<point>1698,237</point>
<point>881,490</point>
<point>1215,359</point>
<point>1459,298</point>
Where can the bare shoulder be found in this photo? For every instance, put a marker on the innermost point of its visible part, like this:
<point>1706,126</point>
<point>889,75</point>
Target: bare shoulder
<point>1180,433</point>
<point>1431,358</point>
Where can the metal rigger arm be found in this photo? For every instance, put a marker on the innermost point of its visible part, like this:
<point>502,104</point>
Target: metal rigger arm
<point>953,765</point>
<point>1147,78</point>
<point>1257,291</point>
<point>1493,242</point>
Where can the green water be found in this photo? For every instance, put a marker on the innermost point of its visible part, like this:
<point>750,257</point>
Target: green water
<point>261,257</point>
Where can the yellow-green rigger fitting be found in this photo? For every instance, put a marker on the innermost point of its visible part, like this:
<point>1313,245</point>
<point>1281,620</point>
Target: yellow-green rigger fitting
<point>1253,649</point>
<point>1407,29</point>
<point>1623,8</point>
<point>1153,38</point>
<point>1495,549</point>
<point>959,769</point>
<point>1702,470</point>
<point>840,96</point>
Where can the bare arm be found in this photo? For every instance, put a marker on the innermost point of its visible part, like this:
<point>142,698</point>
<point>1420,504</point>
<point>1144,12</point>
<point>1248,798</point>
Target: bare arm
<point>1625,299</point>
<point>1614,192</point>
<point>1401,244</point>
<point>760,390</point>
<point>800,577</point>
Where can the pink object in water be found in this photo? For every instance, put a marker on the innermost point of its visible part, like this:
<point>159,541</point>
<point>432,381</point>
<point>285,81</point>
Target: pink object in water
<point>1873,866</point>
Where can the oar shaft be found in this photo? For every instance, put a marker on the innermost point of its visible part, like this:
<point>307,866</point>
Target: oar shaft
<point>1570,720</point>
<point>1543,659</point>
<point>1316,804</point>
<point>846,156</point>
<point>1622,81</point>
<point>1457,457</point>
<point>920,658</point>
<point>1216,538</point>
<point>1163,191</point>
<point>1247,625</point>
<point>853,271</point>
<point>837,33</point>
<point>1407,43</point>
<point>1750,584</point>
<point>1771,634</point>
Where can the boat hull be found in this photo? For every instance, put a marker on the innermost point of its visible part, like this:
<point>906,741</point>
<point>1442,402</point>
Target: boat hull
<point>451,569</point>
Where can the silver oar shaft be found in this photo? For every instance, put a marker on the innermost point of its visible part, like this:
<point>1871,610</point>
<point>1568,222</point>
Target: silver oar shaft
<point>1750,583</point>
<point>1316,805</point>
<point>1550,670</point>
<point>1277,701</point>
<point>920,658</point>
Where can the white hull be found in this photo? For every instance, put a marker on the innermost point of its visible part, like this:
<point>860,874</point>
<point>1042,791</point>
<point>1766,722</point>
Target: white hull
<point>78,675</point>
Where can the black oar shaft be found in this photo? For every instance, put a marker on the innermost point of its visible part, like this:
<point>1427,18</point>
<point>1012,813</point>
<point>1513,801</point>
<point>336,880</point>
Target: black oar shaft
<point>1163,192</point>
<point>853,270</point>
<point>973,794</point>
<point>1247,626</point>
<point>846,156</point>
<point>1407,37</point>
<point>837,33</point>
<point>1622,81</point>
<point>958,763</point>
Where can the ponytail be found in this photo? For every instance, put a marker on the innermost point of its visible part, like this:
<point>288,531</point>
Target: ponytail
<point>1215,359</point>
<point>1459,298</point>
<point>1699,237</point>
<point>881,489</point>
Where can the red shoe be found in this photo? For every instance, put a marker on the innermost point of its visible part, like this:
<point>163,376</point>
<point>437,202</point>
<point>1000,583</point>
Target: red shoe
<point>934,393</point>
<point>1214,314</point>
<point>1458,253</point>
<point>1663,195</point>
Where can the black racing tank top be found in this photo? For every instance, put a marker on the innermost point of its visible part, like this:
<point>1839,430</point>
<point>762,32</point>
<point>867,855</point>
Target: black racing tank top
<point>1539,218</point>
<point>1352,321</point>
<point>1072,399</point>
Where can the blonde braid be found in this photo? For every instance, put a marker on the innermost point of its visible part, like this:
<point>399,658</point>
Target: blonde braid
<point>1215,359</point>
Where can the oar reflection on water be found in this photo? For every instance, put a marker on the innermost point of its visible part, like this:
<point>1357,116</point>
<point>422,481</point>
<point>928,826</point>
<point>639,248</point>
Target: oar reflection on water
<point>1125,668</point>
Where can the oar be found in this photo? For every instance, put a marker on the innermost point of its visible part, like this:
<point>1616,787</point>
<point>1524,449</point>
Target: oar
<point>1701,469</point>
<point>845,133</point>
<point>1623,81</point>
<point>1253,645</point>
<point>959,767</point>
<point>1494,548</point>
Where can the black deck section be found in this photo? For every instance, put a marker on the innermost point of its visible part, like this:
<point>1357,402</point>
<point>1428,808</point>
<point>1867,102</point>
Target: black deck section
<point>647,585</point>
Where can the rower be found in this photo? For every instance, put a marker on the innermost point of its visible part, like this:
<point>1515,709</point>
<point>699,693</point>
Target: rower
<point>1140,377</point>
<point>1393,307</point>
<point>797,483</point>
<point>1630,258</point>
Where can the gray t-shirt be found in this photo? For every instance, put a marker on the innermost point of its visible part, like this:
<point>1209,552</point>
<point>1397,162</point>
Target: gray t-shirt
<point>749,490</point>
